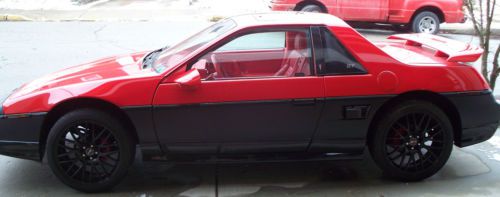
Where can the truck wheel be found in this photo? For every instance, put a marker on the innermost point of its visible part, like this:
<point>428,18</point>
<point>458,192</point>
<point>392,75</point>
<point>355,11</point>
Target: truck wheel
<point>89,150</point>
<point>412,141</point>
<point>426,22</point>
<point>312,8</point>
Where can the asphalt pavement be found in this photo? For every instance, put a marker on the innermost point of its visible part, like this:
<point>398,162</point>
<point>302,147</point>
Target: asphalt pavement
<point>30,50</point>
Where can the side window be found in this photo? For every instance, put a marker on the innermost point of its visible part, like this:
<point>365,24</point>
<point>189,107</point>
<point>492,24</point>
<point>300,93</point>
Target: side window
<point>333,58</point>
<point>279,53</point>
<point>265,40</point>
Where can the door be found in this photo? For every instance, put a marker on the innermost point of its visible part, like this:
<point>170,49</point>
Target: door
<point>258,94</point>
<point>363,10</point>
<point>350,96</point>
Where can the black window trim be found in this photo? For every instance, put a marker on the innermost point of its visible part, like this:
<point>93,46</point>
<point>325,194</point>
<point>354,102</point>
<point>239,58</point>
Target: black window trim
<point>317,41</point>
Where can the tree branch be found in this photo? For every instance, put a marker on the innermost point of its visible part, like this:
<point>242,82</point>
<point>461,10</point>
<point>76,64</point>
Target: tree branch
<point>477,27</point>
<point>496,69</point>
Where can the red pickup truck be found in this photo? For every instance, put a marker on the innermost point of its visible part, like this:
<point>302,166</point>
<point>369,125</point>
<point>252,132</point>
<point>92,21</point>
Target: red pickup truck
<point>417,15</point>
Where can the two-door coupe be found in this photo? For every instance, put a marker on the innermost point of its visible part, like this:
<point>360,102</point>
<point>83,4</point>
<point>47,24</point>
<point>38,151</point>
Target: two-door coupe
<point>298,86</point>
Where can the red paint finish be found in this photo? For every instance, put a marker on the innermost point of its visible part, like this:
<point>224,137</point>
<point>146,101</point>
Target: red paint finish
<point>385,11</point>
<point>387,80</point>
<point>265,89</point>
<point>117,80</point>
<point>122,81</point>
<point>454,51</point>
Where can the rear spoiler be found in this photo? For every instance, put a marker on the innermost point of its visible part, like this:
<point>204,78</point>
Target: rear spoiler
<point>454,51</point>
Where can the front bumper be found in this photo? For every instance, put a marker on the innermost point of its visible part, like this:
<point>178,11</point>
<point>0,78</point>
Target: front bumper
<point>479,114</point>
<point>20,135</point>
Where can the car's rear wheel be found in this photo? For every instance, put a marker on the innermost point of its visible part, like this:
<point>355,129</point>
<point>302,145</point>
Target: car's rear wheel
<point>89,150</point>
<point>413,141</point>
<point>426,22</point>
<point>312,8</point>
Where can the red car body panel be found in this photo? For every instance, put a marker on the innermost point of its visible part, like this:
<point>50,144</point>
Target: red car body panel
<point>455,51</point>
<point>106,79</point>
<point>113,82</point>
<point>382,11</point>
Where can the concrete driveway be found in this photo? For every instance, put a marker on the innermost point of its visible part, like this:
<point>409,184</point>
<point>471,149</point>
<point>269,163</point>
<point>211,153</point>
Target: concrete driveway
<point>29,50</point>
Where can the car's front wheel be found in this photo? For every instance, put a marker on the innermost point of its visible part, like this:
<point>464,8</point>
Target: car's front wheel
<point>412,141</point>
<point>89,150</point>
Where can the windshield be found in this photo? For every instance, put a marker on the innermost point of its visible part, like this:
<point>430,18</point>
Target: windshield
<point>173,55</point>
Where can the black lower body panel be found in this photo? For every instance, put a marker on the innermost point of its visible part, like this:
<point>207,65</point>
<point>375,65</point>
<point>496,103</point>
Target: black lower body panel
<point>23,150</point>
<point>20,135</point>
<point>479,134</point>
<point>344,124</point>
<point>479,114</point>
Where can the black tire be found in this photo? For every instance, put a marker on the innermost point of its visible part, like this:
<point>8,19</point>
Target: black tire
<point>312,8</point>
<point>89,150</point>
<point>425,22</point>
<point>412,141</point>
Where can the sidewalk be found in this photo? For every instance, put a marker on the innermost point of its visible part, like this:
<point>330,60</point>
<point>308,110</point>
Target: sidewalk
<point>467,28</point>
<point>158,10</point>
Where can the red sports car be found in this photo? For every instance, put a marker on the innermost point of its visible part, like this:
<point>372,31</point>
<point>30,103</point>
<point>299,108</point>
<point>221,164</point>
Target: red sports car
<point>300,86</point>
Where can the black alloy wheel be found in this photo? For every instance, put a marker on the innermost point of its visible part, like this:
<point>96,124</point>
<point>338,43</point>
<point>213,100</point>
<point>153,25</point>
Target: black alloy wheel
<point>89,150</point>
<point>413,141</point>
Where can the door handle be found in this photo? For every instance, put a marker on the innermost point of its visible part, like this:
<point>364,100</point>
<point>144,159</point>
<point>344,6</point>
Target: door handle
<point>303,102</point>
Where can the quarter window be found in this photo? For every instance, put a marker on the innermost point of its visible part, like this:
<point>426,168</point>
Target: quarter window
<point>333,58</point>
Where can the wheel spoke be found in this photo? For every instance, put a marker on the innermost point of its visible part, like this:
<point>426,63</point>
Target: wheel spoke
<point>403,154</point>
<point>401,126</point>
<point>395,150</point>
<point>420,158</point>
<point>104,169</point>
<point>103,146</point>
<point>421,122</point>
<point>76,171</point>
<point>415,124</point>
<point>108,153</point>
<point>95,138</point>
<point>65,153</point>
<point>76,140</point>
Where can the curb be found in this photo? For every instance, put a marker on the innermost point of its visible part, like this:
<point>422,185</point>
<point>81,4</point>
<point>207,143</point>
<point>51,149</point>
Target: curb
<point>13,17</point>
<point>468,31</point>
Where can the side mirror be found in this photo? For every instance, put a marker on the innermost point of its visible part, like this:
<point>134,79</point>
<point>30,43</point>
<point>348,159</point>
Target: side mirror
<point>191,79</point>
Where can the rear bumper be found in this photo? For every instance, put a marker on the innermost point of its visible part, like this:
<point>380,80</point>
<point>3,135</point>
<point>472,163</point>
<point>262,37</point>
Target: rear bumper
<point>476,135</point>
<point>20,134</point>
<point>479,114</point>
